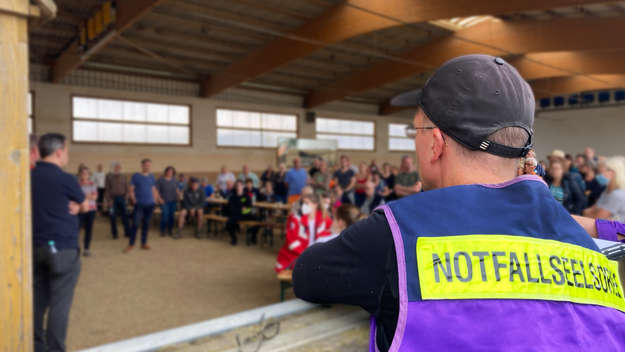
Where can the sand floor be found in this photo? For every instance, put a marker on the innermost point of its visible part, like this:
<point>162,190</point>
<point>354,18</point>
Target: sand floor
<point>176,283</point>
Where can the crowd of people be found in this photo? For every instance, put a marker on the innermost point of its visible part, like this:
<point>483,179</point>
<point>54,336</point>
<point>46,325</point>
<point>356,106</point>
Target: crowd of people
<point>378,262</point>
<point>363,188</point>
<point>323,200</point>
<point>587,184</point>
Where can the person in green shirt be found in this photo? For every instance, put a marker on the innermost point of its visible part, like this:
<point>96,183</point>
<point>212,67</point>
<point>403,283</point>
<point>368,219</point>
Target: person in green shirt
<point>407,182</point>
<point>321,179</point>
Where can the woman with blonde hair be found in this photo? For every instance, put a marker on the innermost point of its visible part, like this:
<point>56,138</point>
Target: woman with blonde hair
<point>611,204</point>
<point>346,215</point>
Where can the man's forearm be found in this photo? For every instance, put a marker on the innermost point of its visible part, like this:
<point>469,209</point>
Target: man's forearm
<point>351,185</point>
<point>84,206</point>
<point>588,224</point>
<point>402,190</point>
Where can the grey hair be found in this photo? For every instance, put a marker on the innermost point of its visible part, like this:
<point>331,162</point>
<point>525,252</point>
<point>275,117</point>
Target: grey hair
<point>114,164</point>
<point>531,161</point>
<point>50,143</point>
<point>515,137</point>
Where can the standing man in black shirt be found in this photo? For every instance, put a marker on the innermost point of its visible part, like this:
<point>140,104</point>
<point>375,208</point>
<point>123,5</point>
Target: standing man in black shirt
<point>345,178</point>
<point>56,257</point>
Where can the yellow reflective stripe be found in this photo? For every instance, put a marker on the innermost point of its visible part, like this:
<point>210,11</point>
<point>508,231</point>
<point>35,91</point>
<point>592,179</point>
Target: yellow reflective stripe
<point>515,267</point>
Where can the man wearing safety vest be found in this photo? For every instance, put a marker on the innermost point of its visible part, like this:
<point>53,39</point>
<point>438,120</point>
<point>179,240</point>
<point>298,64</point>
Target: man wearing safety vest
<point>481,260</point>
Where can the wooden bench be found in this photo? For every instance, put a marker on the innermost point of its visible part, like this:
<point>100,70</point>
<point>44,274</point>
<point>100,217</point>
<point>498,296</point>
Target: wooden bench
<point>214,219</point>
<point>245,225</point>
<point>285,277</point>
<point>269,228</point>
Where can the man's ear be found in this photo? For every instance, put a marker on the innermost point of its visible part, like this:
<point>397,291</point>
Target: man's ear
<point>438,144</point>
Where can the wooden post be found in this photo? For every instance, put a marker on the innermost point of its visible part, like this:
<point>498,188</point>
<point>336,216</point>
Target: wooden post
<point>16,332</point>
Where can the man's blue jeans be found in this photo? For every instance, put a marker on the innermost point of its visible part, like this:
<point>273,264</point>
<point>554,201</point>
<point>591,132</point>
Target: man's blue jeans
<point>141,216</point>
<point>167,217</point>
<point>119,209</point>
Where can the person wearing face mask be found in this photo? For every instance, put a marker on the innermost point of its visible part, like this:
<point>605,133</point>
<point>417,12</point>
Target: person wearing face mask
<point>611,203</point>
<point>326,202</point>
<point>303,229</point>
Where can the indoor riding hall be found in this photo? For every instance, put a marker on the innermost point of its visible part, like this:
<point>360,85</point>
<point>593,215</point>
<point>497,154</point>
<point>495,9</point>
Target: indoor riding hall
<point>161,101</point>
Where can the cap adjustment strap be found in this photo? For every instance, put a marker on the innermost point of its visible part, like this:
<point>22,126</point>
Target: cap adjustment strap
<point>503,150</point>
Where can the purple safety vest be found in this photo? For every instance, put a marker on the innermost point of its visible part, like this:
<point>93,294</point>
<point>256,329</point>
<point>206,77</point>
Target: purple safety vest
<point>522,209</point>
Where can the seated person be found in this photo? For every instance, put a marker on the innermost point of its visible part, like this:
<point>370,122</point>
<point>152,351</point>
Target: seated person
<point>529,166</point>
<point>345,216</point>
<point>381,187</point>
<point>209,192</point>
<point>225,194</point>
<point>336,196</point>
<point>303,229</point>
<point>407,182</point>
<point>252,191</point>
<point>267,194</point>
<point>371,199</point>
<point>326,202</point>
<point>611,203</point>
<point>207,187</point>
<point>239,208</point>
<point>594,189</point>
<point>192,204</point>
<point>296,206</point>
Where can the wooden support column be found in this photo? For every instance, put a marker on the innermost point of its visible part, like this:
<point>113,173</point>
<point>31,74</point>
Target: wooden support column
<point>16,334</point>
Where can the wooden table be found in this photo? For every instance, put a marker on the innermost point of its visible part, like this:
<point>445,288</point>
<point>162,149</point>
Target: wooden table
<point>278,206</point>
<point>265,205</point>
<point>216,201</point>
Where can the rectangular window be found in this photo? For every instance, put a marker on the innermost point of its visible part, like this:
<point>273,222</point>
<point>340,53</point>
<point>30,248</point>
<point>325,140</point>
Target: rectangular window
<point>238,128</point>
<point>130,122</point>
<point>30,109</point>
<point>397,140</point>
<point>349,134</point>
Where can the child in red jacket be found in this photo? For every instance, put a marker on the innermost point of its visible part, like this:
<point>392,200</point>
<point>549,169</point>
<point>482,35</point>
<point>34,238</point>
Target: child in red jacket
<point>303,230</point>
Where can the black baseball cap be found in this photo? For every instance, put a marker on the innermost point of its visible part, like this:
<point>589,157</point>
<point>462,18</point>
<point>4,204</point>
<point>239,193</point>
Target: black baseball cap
<point>473,96</point>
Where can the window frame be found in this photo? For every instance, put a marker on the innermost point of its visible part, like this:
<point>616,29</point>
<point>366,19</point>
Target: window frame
<point>148,101</point>
<point>261,130</point>
<point>388,144</point>
<point>373,135</point>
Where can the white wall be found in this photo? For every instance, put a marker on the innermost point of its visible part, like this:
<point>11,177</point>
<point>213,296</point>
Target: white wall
<point>602,128</point>
<point>572,130</point>
<point>52,113</point>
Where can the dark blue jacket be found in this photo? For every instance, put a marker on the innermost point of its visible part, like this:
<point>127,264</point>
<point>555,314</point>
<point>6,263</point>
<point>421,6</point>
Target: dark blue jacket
<point>574,198</point>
